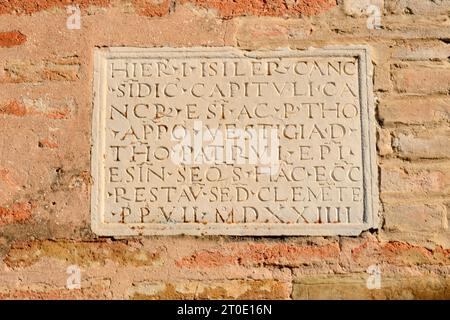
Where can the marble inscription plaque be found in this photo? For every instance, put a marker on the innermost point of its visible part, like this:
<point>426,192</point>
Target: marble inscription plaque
<point>226,142</point>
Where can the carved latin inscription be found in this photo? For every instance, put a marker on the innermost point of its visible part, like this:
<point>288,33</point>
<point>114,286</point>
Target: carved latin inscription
<point>219,141</point>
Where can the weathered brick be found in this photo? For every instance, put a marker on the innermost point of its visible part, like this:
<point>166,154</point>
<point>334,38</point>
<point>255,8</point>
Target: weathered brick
<point>414,217</point>
<point>83,254</point>
<point>158,8</point>
<point>16,213</point>
<point>416,180</point>
<point>262,254</point>
<point>229,9</point>
<point>90,289</point>
<point>427,144</point>
<point>17,71</point>
<point>29,7</point>
<point>393,253</point>
<point>419,7</point>
<point>354,286</point>
<point>447,213</point>
<point>382,77</point>
<point>412,191</point>
<point>231,289</point>
<point>152,8</point>
<point>52,109</point>
<point>418,50</point>
<point>14,108</point>
<point>423,239</point>
<point>260,32</point>
<point>10,185</point>
<point>413,110</point>
<point>422,78</point>
<point>12,39</point>
<point>384,142</point>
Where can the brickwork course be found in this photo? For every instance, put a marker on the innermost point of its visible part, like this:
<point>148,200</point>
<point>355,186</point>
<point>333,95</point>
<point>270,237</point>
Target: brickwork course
<point>45,126</point>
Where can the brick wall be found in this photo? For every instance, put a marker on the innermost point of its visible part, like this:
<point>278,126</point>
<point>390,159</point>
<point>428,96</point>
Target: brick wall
<point>45,123</point>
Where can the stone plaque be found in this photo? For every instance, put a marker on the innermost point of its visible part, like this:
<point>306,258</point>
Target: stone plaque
<point>226,142</point>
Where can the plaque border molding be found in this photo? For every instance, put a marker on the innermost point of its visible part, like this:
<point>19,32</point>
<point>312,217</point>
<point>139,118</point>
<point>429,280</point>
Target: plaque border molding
<point>368,127</point>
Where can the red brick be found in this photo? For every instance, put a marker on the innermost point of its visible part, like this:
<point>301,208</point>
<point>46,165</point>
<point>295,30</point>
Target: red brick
<point>11,39</point>
<point>16,213</point>
<point>29,7</point>
<point>17,71</point>
<point>397,253</point>
<point>211,267</point>
<point>14,108</point>
<point>233,8</point>
<point>152,8</point>
<point>46,143</point>
<point>261,253</point>
<point>419,7</point>
<point>40,107</point>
